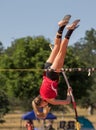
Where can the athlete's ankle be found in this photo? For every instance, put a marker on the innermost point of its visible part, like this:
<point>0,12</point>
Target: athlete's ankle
<point>60,30</point>
<point>58,35</point>
<point>69,33</point>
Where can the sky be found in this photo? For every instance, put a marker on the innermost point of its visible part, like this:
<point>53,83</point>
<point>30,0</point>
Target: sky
<point>22,18</point>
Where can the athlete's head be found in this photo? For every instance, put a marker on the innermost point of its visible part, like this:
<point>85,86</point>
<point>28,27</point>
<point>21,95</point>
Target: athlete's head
<point>38,103</point>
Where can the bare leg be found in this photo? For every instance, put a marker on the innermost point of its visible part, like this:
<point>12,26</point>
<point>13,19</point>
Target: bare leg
<point>55,50</point>
<point>59,59</point>
<point>58,38</point>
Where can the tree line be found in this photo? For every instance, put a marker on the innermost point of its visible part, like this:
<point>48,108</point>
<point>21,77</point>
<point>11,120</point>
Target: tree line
<point>21,70</point>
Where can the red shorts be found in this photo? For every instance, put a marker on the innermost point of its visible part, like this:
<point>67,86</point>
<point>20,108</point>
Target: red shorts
<point>48,88</point>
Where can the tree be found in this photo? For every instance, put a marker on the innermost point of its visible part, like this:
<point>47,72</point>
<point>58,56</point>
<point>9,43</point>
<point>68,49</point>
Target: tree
<point>4,103</point>
<point>85,49</point>
<point>76,79</point>
<point>24,62</point>
<point>25,54</point>
<point>1,48</point>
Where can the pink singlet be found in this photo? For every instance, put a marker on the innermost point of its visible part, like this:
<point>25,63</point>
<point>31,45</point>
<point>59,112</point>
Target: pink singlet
<point>48,88</point>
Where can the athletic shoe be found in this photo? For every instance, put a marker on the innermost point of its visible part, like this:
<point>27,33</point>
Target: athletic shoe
<point>64,21</point>
<point>73,25</point>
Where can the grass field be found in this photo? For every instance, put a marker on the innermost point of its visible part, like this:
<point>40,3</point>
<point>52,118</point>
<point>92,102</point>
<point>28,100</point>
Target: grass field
<point>13,120</point>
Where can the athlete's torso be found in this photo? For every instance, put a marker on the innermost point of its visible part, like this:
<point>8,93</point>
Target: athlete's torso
<point>48,89</point>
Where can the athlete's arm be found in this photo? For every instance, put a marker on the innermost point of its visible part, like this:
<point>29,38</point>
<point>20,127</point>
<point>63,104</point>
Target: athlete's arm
<point>61,102</point>
<point>39,114</point>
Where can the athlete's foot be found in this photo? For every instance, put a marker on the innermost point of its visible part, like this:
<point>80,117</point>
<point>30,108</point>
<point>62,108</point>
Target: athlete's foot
<point>74,25</point>
<point>64,21</point>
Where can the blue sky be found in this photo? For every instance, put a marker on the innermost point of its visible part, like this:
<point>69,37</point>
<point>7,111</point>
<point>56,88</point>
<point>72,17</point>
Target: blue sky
<point>21,18</point>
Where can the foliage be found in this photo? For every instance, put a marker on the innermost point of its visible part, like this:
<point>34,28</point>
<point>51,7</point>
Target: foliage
<point>28,56</point>
<point>86,51</point>
<point>24,60</point>
<point>4,103</point>
<point>86,48</point>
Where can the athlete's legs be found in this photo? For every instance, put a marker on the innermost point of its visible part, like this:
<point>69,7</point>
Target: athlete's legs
<point>55,50</point>
<point>59,60</point>
<point>58,38</point>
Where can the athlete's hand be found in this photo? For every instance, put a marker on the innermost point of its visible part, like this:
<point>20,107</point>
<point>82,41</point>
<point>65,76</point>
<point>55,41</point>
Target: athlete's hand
<point>69,91</point>
<point>46,109</point>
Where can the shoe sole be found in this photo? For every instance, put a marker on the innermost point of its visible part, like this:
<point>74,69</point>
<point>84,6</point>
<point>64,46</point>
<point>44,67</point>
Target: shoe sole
<point>74,24</point>
<point>65,20</point>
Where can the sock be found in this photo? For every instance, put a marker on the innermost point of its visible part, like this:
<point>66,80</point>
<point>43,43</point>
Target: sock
<point>68,34</point>
<point>60,31</point>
